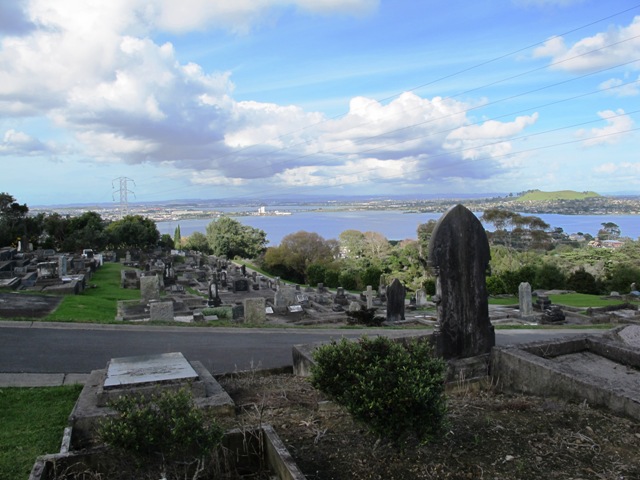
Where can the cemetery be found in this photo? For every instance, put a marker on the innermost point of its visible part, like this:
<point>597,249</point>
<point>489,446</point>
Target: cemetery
<point>529,411</point>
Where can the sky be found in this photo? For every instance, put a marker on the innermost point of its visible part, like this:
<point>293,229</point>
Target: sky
<point>262,99</point>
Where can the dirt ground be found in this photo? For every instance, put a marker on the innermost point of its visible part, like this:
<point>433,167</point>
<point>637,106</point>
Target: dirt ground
<point>14,305</point>
<point>490,436</point>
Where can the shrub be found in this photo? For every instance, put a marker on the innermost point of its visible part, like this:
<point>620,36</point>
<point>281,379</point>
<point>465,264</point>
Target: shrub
<point>349,280</point>
<point>315,274</point>
<point>582,282</point>
<point>496,286</point>
<point>332,279</point>
<point>167,426</point>
<point>549,277</point>
<point>395,389</point>
<point>223,313</point>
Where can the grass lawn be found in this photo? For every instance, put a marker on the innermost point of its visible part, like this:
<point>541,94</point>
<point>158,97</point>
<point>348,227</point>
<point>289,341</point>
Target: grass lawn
<point>96,305</point>
<point>579,300</point>
<point>32,420</point>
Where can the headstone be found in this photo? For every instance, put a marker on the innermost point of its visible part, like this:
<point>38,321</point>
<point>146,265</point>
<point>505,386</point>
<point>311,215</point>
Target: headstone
<point>284,297</point>
<point>395,301</point>
<point>524,298</point>
<point>459,253</point>
<point>421,298</point>
<point>161,311</point>
<point>62,266</point>
<point>355,307</point>
<point>241,285</point>
<point>149,288</point>
<point>127,257</point>
<point>254,310</point>
<point>321,288</point>
<point>369,296</point>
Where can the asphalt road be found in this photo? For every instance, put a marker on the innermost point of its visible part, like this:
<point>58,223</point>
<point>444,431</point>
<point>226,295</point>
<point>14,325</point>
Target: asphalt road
<point>27,347</point>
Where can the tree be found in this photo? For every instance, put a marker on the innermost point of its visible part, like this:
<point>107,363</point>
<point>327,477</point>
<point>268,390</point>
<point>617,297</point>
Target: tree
<point>351,243</point>
<point>197,241</point>
<point>133,231</point>
<point>177,238</point>
<point>230,238</point>
<point>609,231</point>
<point>297,251</point>
<point>12,220</point>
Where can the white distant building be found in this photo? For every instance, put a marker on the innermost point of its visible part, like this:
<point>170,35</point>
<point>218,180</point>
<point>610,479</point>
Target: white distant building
<point>262,210</point>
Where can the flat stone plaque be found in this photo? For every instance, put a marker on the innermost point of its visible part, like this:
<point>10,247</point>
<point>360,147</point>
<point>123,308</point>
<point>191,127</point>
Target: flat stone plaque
<point>142,369</point>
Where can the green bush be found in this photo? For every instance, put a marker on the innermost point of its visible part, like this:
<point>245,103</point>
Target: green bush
<point>223,313</point>
<point>167,425</point>
<point>582,281</point>
<point>332,279</point>
<point>395,389</point>
<point>496,286</point>
<point>349,280</point>
<point>315,274</point>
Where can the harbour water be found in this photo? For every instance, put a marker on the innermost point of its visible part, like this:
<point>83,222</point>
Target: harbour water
<point>393,224</point>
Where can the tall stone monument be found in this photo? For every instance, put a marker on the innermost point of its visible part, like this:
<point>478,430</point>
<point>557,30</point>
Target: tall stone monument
<point>396,293</point>
<point>524,299</point>
<point>459,254</point>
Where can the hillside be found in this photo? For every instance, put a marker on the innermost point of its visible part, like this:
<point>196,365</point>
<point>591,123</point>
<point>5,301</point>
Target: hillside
<point>540,196</point>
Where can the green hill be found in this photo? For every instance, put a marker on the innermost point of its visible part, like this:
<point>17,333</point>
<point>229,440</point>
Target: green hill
<point>540,196</point>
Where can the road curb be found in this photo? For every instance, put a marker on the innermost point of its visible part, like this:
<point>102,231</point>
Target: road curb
<point>41,379</point>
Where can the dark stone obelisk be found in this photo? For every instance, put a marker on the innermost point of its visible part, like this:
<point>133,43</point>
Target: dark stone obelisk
<point>459,254</point>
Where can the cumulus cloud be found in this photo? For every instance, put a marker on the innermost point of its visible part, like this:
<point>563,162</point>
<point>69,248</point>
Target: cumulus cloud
<point>620,88</point>
<point>19,143</point>
<point>617,128</point>
<point>605,49</point>
<point>96,72</point>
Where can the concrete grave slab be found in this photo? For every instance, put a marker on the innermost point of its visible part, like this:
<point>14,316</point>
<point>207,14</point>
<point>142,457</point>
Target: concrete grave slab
<point>144,369</point>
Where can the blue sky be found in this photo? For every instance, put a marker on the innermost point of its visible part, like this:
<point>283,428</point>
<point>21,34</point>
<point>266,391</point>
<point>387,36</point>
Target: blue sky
<point>257,99</point>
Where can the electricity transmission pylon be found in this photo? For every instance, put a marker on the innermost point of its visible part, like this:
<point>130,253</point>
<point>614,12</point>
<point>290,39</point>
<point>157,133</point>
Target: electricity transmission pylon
<point>124,194</point>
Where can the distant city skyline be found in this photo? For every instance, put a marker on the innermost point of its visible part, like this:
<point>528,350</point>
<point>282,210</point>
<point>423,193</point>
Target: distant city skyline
<point>258,100</point>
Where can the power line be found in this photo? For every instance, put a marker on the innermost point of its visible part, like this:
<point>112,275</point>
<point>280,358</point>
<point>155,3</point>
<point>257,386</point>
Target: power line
<point>124,194</point>
<point>290,147</point>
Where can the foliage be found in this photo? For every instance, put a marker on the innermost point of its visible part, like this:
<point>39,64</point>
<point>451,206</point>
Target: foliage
<point>496,285</point>
<point>13,220</point>
<point>297,251</point>
<point>582,281</point>
<point>316,273</point>
<point>348,280</point>
<point>177,236</point>
<point>167,424</point>
<point>621,277</point>
<point>166,242</point>
<point>32,420</point>
<point>371,276</point>
<point>548,277</point>
<point>198,242</point>
<point>230,238</point>
<point>395,389</point>
<point>223,313</point>
<point>133,232</point>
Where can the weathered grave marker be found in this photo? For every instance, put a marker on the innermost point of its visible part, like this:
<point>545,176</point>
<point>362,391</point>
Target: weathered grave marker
<point>459,253</point>
<point>524,299</point>
<point>396,293</point>
<point>149,288</point>
<point>254,310</point>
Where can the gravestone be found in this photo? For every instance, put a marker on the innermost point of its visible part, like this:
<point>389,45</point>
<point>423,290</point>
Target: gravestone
<point>459,254</point>
<point>524,299</point>
<point>369,296</point>
<point>241,285</point>
<point>62,266</point>
<point>421,298</point>
<point>149,288</point>
<point>254,310</point>
<point>395,301</point>
<point>161,312</point>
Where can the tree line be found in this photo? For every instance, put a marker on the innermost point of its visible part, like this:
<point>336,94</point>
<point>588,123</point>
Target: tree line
<point>523,249</point>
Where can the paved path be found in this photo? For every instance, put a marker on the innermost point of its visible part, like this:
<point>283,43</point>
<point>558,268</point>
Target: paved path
<point>45,354</point>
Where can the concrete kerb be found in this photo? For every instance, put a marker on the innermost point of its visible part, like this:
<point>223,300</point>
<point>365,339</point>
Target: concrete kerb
<point>31,380</point>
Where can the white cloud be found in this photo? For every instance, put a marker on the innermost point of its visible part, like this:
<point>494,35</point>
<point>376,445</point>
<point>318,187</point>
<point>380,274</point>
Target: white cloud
<point>19,143</point>
<point>605,49</point>
<point>617,125</point>
<point>621,88</point>
<point>610,168</point>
